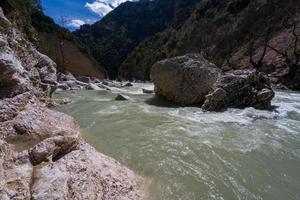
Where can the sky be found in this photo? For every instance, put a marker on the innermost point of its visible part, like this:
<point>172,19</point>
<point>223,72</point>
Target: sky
<point>73,13</point>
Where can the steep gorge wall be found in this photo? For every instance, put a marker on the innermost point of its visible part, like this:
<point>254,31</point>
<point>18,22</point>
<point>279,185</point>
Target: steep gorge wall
<point>68,56</point>
<point>42,153</point>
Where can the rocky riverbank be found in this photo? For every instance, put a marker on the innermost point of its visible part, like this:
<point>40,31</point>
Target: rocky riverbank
<point>67,81</point>
<point>42,153</point>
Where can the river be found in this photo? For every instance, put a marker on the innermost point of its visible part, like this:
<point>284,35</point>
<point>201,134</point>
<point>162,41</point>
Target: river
<point>186,154</point>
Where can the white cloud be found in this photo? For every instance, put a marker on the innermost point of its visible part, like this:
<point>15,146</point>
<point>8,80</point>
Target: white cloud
<point>76,23</point>
<point>102,7</point>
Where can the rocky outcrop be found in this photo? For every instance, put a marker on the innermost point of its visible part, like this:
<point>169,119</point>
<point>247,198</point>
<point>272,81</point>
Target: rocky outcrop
<point>184,79</point>
<point>60,165</point>
<point>240,89</point>
<point>66,81</point>
<point>22,65</point>
<point>191,79</point>
<point>84,174</point>
<point>54,162</point>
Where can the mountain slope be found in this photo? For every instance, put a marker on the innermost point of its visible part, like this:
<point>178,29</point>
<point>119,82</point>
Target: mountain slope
<point>116,35</point>
<point>58,43</point>
<point>222,30</point>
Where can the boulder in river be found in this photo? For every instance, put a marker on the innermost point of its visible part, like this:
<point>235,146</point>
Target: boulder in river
<point>191,79</point>
<point>121,97</point>
<point>241,88</point>
<point>185,79</point>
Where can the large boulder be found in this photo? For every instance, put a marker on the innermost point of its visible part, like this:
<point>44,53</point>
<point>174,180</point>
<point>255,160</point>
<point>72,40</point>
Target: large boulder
<point>121,97</point>
<point>185,79</point>
<point>191,79</point>
<point>240,89</point>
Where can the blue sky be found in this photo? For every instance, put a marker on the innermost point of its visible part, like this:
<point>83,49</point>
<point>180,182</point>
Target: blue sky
<point>78,12</point>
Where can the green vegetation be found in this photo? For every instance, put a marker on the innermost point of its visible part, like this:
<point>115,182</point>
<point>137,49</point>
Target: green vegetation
<point>216,28</point>
<point>118,33</point>
<point>130,39</point>
<point>45,33</point>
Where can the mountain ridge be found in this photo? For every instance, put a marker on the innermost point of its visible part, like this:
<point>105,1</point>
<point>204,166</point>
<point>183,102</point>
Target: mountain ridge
<point>234,34</point>
<point>113,37</point>
<point>221,30</point>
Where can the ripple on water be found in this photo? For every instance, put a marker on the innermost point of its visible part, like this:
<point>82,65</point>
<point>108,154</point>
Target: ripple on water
<point>190,154</point>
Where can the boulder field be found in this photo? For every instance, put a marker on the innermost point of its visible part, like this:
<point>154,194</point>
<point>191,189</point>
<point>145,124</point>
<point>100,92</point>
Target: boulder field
<point>191,79</point>
<point>42,153</point>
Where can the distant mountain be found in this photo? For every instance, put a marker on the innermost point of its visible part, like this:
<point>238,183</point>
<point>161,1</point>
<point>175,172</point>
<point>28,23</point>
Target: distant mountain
<point>118,33</point>
<point>69,53</point>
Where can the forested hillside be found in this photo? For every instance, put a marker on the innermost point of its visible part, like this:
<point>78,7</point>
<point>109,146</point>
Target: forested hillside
<point>233,34</point>
<point>118,33</point>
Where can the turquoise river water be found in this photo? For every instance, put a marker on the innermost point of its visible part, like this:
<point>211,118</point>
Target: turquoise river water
<point>186,154</point>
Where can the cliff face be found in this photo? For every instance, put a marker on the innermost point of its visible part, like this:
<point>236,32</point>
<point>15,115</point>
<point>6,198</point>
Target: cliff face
<point>116,35</point>
<point>228,33</point>
<point>56,42</point>
<point>42,154</point>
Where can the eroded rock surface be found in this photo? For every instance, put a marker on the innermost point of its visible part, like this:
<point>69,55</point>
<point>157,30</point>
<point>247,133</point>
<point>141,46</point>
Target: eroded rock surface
<point>191,79</point>
<point>240,89</point>
<point>78,175</point>
<point>56,163</point>
<point>184,79</point>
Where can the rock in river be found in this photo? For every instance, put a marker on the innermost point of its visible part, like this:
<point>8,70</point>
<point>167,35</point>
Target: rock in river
<point>121,97</point>
<point>184,79</point>
<point>191,79</point>
<point>241,88</point>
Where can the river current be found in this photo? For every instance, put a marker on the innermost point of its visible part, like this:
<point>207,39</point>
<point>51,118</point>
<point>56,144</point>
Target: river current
<point>187,154</point>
